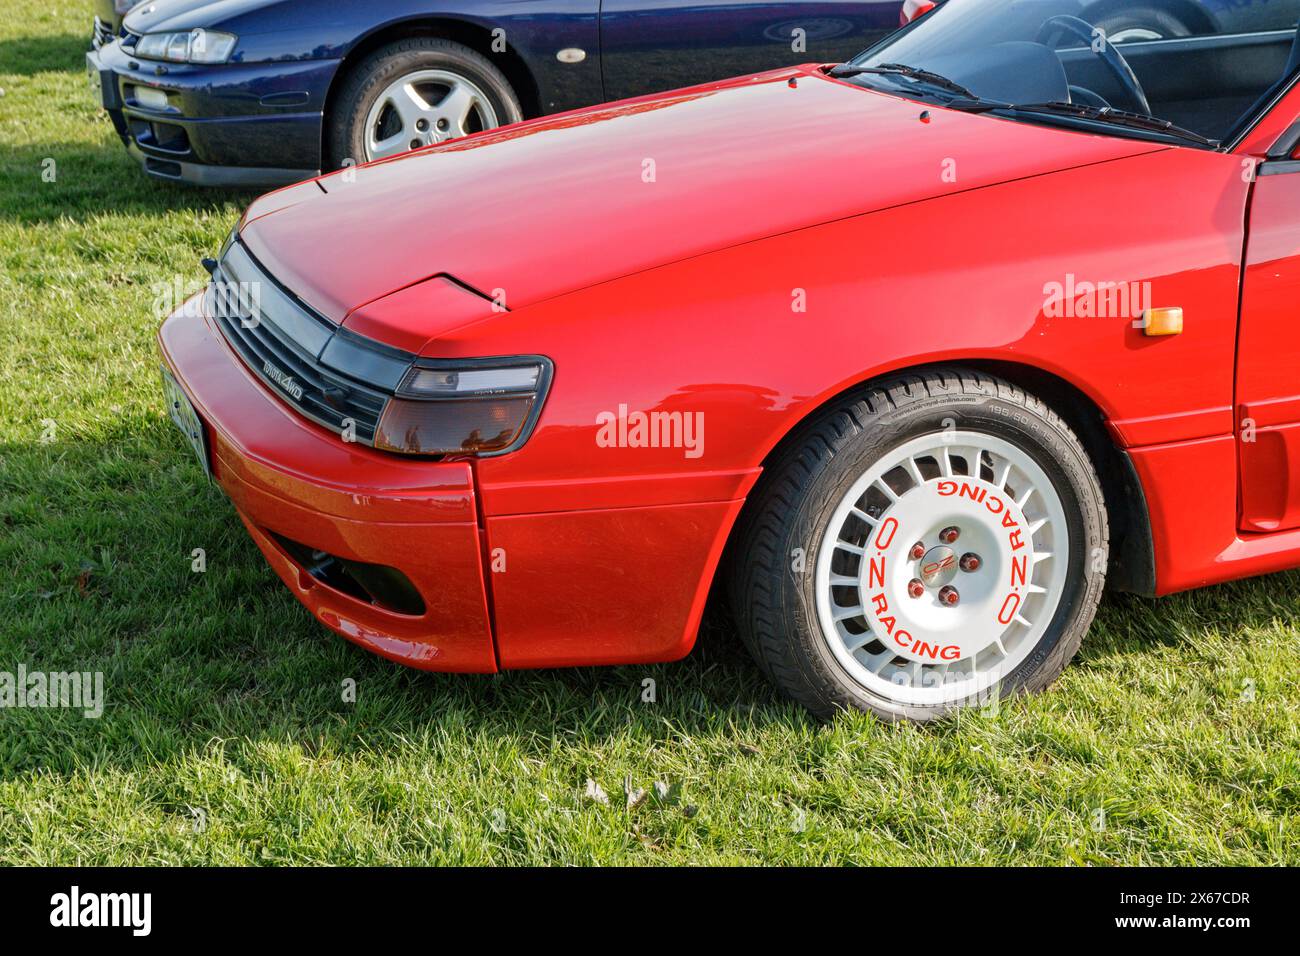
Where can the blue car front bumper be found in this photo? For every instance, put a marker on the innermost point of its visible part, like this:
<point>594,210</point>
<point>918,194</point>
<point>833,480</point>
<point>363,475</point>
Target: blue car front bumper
<point>232,124</point>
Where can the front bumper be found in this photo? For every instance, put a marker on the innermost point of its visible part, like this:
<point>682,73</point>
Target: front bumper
<point>293,481</point>
<point>230,125</point>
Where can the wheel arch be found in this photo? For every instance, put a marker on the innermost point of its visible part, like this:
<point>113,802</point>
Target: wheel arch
<point>1132,556</point>
<point>469,33</point>
<point>1132,553</point>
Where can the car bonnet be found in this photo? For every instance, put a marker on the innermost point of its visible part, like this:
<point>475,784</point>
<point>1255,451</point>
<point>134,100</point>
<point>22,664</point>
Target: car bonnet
<point>535,210</point>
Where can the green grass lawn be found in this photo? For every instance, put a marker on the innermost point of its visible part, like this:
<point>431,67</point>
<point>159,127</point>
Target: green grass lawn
<point>1174,738</point>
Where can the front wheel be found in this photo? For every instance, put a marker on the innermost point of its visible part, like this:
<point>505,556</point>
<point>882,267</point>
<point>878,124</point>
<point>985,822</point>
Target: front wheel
<point>415,93</point>
<point>934,542</point>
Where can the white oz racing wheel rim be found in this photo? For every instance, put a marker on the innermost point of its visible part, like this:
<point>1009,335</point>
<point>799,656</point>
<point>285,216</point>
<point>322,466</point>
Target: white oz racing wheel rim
<point>423,108</point>
<point>942,568</point>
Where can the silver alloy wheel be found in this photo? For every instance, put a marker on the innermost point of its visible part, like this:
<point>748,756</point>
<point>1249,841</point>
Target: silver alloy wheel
<point>423,108</point>
<point>919,615</point>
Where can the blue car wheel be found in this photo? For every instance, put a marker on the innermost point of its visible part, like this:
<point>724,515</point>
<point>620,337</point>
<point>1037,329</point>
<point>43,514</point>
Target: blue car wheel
<point>415,93</point>
<point>1135,24</point>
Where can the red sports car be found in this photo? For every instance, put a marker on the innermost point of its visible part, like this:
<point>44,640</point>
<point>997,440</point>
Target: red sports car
<point>909,356</point>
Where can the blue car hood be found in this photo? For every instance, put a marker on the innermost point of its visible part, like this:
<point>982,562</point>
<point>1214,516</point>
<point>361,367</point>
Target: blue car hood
<point>159,16</point>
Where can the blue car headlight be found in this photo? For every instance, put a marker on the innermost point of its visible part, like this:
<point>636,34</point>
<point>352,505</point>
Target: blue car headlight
<point>192,46</point>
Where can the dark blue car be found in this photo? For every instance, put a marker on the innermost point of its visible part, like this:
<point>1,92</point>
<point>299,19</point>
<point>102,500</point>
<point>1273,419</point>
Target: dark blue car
<point>260,92</point>
<point>257,92</point>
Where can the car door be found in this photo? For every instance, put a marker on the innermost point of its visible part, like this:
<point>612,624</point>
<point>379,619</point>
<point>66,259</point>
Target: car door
<point>653,45</point>
<point>1268,345</point>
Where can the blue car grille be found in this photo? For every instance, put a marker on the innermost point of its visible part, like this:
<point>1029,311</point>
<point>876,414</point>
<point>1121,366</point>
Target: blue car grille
<point>103,33</point>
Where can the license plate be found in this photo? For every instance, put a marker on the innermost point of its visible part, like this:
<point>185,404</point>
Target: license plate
<point>187,420</point>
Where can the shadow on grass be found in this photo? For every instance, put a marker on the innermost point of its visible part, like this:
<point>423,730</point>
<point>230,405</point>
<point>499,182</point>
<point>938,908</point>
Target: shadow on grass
<point>72,181</point>
<point>25,56</point>
<point>104,582</point>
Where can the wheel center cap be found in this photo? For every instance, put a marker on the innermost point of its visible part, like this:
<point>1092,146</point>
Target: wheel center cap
<point>938,566</point>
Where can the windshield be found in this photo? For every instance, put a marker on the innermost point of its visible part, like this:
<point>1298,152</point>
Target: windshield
<point>1137,72</point>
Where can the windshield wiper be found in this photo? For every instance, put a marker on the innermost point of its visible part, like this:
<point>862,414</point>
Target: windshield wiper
<point>967,105</point>
<point>969,102</point>
<point>911,72</point>
<point>1108,114</point>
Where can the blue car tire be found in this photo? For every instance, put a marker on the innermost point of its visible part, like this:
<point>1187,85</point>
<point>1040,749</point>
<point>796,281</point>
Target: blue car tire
<point>1142,22</point>
<point>415,93</point>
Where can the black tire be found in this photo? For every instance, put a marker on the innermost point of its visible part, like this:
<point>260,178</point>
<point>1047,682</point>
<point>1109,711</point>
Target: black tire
<point>346,133</point>
<point>1143,17</point>
<point>775,603</point>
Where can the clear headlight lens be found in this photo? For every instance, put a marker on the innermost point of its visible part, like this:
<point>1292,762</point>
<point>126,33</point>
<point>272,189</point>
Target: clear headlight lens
<point>194,46</point>
<point>474,406</point>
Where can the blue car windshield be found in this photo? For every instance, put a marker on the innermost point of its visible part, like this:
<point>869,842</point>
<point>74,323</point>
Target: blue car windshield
<point>1055,61</point>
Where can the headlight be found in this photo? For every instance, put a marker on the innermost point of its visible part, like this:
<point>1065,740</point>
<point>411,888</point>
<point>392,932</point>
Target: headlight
<point>474,406</point>
<point>195,46</point>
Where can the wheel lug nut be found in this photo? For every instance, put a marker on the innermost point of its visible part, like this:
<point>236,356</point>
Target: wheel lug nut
<point>949,535</point>
<point>915,588</point>
<point>918,551</point>
<point>970,562</point>
<point>422,125</point>
<point>948,595</point>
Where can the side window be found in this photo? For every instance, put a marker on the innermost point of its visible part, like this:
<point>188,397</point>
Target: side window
<point>1203,65</point>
